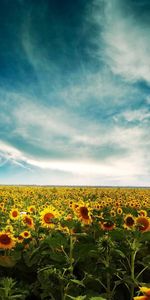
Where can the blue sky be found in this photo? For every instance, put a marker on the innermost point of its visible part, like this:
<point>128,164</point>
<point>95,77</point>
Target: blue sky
<point>75,92</point>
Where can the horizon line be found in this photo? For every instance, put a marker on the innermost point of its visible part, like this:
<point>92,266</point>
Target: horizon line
<point>88,186</point>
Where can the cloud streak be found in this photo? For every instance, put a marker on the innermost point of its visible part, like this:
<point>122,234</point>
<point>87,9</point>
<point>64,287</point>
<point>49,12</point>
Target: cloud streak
<point>120,167</point>
<point>127,43</point>
<point>85,113</point>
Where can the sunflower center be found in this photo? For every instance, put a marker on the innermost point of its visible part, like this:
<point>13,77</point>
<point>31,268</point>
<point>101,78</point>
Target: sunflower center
<point>5,239</point>
<point>14,213</point>
<point>28,221</point>
<point>84,212</point>
<point>48,218</point>
<point>129,221</point>
<point>143,224</point>
<point>26,234</point>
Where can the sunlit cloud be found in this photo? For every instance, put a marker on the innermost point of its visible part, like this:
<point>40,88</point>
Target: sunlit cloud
<point>127,42</point>
<point>74,98</point>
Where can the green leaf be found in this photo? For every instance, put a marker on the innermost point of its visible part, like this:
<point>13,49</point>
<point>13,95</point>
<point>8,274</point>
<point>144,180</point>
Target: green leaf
<point>82,250</point>
<point>78,282</point>
<point>117,235</point>
<point>32,259</point>
<point>56,241</point>
<point>57,257</point>
<point>20,296</point>
<point>145,236</point>
<point>119,252</point>
<point>97,298</point>
<point>146,260</point>
<point>77,298</point>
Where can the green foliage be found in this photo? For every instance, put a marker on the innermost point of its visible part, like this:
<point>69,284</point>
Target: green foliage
<point>76,259</point>
<point>9,291</point>
<point>97,298</point>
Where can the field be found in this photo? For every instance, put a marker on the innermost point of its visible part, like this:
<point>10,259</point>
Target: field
<point>74,243</point>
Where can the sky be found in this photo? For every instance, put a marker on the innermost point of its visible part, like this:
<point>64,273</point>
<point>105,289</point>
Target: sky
<point>75,92</point>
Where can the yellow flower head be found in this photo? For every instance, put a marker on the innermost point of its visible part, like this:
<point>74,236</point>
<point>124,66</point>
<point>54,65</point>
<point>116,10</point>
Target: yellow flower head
<point>9,228</point>
<point>145,290</point>
<point>112,213</point>
<point>143,224</point>
<point>119,211</point>
<point>26,234</point>
<point>20,239</point>
<point>83,213</point>
<point>48,216</point>
<point>143,213</point>
<point>14,214</point>
<point>129,221</point>
<point>107,225</point>
<point>141,298</point>
<point>7,240</point>
<point>28,221</point>
<point>31,209</point>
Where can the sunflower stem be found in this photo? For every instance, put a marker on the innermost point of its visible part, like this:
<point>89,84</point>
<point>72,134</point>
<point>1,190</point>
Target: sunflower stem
<point>71,254</point>
<point>108,276</point>
<point>141,272</point>
<point>108,279</point>
<point>64,290</point>
<point>133,254</point>
<point>134,250</point>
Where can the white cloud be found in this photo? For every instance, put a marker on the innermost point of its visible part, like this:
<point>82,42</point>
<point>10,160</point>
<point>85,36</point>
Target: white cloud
<point>141,115</point>
<point>12,152</point>
<point>48,126</point>
<point>9,154</point>
<point>85,84</point>
<point>132,163</point>
<point>66,130</point>
<point>126,43</point>
<point>46,120</point>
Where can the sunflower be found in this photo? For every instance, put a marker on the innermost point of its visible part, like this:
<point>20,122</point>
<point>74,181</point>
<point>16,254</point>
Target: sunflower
<point>107,225</point>
<point>129,221</point>
<point>145,290</point>
<point>31,209</point>
<point>20,239</point>
<point>83,213</point>
<point>7,240</point>
<point>117,203</point>
<point>48,216</point>
<point>69,217</point>
<point>143,224</point>
<point>70,203</point>
<point>141,298</point>
<point>1,205</point>
<point>27,220</point>
<point>97,206</point>
<point>142,213</point>
<point>112,213</point>
<point>9,228</point>
<point>75,206</point>
<point>25,234</point>
<point>14,214</point>
<point>119,211</point>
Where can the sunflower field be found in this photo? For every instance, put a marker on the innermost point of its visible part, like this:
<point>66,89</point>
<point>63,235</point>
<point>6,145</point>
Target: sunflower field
<point>74,243</point>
